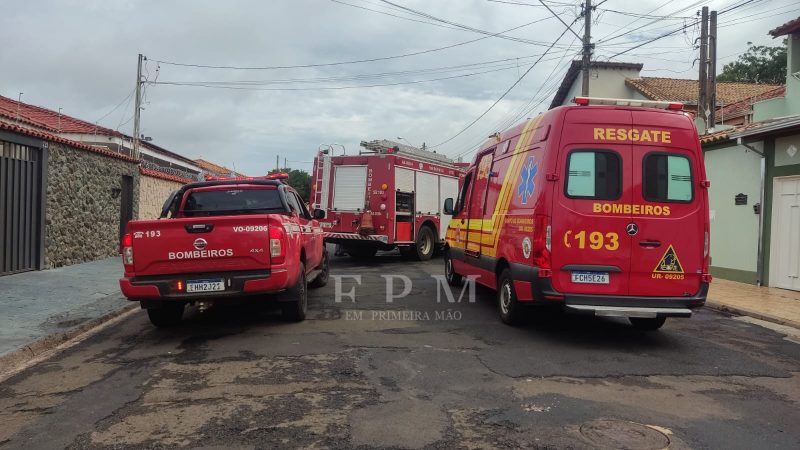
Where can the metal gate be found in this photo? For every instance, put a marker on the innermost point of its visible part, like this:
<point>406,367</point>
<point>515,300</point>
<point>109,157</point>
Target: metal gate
<point>20,208</point>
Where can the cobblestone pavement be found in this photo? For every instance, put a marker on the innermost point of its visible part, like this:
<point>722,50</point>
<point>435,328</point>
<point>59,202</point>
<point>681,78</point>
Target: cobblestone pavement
<point>412,373</point>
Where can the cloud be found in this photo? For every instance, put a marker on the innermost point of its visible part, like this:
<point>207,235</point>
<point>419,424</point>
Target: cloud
<point>81,56</point>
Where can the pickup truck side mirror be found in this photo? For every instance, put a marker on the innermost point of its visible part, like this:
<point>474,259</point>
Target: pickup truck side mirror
<point>448,206</point>
<point>319,214</point>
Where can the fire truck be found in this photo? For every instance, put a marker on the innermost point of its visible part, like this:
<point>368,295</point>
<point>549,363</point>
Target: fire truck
<point>389,195</point>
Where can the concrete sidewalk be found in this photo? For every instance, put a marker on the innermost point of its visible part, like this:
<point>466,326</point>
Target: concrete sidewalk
<point>770,304</point>
<point>55,304</point>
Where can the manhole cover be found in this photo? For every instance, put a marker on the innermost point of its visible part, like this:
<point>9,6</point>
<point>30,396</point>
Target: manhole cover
<point>621,434</point>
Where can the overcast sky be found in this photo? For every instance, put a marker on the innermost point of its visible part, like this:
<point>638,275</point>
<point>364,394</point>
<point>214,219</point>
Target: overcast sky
<point>81,55</point>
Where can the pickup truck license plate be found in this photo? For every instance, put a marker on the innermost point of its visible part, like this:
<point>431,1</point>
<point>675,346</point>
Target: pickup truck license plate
<point>590,277</point>
<point>205,285</point>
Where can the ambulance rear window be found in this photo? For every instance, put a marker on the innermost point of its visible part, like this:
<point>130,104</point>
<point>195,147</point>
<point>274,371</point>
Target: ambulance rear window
<point>667,178</point>
<point>594,174</point>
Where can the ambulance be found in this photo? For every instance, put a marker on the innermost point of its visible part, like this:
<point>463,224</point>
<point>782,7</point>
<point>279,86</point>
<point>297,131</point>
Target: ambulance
<point>600,208</point>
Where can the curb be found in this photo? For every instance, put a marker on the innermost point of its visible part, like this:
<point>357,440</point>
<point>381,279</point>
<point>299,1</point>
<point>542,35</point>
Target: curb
<point>755,314</point>
<point>10,361</point>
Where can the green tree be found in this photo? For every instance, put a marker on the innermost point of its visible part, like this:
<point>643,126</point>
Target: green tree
<point>760,64</point>
<point>300,180</point>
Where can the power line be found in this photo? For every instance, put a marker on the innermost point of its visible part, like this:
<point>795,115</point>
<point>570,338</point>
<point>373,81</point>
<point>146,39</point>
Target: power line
<point>504,93</point>
<point>127,98</point>
<point>340,63</point>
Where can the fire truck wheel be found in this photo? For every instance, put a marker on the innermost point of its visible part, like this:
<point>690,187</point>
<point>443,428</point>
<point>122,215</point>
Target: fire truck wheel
<point>168,315</point>
<point>453,279</point>
<point>296,304</point>
<point>510,309</point>
<point>647,324</point>
<point>425,243</point>
<point>322,277</point>
<point>361,252</point>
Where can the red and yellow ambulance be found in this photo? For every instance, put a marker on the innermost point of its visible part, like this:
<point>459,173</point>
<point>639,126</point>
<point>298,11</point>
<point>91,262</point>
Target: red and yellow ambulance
<point>601,208</point>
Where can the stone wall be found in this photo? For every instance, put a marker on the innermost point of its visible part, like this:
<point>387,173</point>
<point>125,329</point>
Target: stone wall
<point>83,214</point>
<point>153,192</point>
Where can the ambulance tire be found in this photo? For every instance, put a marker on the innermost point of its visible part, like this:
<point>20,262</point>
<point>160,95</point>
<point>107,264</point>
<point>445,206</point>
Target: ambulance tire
<point>426,242</point>
<point>647,324</point>
<point>294,301</point>
<point>510,309</point>
<point>453,279</point>
<point>168,315</point>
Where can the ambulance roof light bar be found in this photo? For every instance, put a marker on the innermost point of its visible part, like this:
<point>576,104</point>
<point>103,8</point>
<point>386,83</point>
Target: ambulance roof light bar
<point>585,101</point>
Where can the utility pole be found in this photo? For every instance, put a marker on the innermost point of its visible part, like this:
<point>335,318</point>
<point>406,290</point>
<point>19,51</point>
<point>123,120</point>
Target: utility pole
<point>711,93</point>
<point>137,109</point>
<point>277,163</point>
<point>587,47</point>
<point>702,98</point>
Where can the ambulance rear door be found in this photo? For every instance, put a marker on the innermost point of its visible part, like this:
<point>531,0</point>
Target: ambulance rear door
<point>590,248</point>
<point>667,249</point>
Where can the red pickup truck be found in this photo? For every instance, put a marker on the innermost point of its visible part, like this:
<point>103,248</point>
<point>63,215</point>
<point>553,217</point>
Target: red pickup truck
<point>225,240</point>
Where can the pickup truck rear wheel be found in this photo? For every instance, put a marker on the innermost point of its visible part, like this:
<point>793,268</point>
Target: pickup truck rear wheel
<point>169,314</point>
<point>322,276</point>
<point>295,300</point>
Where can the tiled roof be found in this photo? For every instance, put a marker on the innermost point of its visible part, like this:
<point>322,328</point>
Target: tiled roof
<point>216,169</point>
<point>686,91</point>
<point>53,138</point>
<point>163,176</point>
<point>745,106</point>
<point>753,128</point>
<point>575,69</point>
<point>787,28</point>
<point>51,120</point>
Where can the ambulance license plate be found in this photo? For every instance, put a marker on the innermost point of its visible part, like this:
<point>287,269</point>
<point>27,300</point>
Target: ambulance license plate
<point>205,285</point>
<point>590,277</point>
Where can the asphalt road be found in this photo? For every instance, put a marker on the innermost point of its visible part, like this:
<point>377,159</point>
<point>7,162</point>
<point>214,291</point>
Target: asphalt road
<point>410,373</point>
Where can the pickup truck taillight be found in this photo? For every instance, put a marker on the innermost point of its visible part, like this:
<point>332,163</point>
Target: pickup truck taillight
<point>277,248</point>
<point>127,250</point>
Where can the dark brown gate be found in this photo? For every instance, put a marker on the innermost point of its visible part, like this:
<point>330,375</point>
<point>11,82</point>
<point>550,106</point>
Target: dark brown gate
<point>20,207</point>
<point>126,203</point>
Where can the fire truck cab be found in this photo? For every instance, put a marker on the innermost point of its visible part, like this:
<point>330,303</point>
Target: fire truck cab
<point>389,195</point>
<point>600,208</point>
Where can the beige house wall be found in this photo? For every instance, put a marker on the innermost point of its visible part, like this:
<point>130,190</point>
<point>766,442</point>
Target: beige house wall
<point>153,192</point>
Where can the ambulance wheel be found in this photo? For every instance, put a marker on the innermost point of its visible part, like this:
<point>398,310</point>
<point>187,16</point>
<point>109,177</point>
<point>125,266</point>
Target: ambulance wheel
<point>168,315</point>
<point>453,279</point>
<point>322,277</point>
<point>510,309</point>
<point>426,242</point>
<point>295,299</point>
<point>647,324</point>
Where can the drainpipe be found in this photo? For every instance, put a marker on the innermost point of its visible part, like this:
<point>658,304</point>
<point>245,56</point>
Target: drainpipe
<point>760,257</point>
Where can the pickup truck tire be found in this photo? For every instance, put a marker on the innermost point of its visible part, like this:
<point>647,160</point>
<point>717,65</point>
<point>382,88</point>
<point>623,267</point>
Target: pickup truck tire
<point>646,323</point>
<point>324,272</point>
<point>510,309</point>
<point>295,299</point>
<point>168,315</point>
<point>426,243</point>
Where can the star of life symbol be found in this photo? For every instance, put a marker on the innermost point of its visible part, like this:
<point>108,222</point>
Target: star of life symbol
<point>526,185</point>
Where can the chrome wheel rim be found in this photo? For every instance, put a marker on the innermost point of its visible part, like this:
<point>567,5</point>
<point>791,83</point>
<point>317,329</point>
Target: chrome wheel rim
<point>426,244</point>
<point>505,298</point>
<point>448,268</point>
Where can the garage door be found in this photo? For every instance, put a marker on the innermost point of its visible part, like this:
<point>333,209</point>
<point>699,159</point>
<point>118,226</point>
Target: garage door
<point>19,208</point>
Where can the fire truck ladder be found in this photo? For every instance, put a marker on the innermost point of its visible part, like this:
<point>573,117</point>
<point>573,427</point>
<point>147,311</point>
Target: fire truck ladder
<point>318,172</point>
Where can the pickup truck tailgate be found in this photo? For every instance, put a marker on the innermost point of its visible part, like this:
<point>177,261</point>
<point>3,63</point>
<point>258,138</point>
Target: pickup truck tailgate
<point>200,244</point>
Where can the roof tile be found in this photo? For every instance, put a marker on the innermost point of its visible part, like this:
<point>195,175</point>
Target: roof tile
<point>682,90</point>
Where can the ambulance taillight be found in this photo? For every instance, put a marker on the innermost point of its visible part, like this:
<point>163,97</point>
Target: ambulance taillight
<point>542,238</point>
